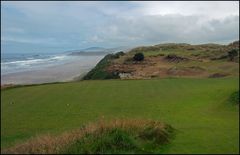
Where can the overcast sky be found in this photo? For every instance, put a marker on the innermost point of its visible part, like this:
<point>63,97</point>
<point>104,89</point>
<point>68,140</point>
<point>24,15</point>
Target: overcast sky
<point>60,26</point>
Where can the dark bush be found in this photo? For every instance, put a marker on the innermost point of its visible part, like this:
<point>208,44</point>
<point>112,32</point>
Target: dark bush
<point>233,53</point>
<point>138,57</point>
<point>234,97</point>
<point>172,56</point>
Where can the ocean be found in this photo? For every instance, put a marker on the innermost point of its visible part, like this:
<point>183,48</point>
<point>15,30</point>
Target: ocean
<point>19,62</point>
<point>32,68</point>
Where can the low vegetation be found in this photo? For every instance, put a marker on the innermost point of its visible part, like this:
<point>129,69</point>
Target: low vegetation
<point>117,136</point>
<point>138,57</point>
<point>160,60</point>
<point>232,54</point>
<point>175,58</point>
<point>234,98</point>
<point>99,71</point>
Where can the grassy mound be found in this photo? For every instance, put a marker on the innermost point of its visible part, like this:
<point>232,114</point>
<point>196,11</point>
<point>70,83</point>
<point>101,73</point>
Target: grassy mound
<point>117,136</point>
<point>234,98</point>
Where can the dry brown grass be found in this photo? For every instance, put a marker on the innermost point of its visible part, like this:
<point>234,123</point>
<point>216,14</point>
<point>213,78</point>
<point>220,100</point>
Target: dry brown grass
<point>49,144</point>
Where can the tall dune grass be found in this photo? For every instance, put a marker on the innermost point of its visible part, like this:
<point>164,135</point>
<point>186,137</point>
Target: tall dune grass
<point>115,136</point>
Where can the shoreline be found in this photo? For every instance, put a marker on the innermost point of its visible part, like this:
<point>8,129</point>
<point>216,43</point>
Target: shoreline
<point>70,71</point>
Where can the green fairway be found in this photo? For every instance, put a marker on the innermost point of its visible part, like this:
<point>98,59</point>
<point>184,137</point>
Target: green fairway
<point>197,108</point>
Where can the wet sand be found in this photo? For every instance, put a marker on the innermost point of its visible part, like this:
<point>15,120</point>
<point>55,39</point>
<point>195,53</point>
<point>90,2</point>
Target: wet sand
<point>59,73</point>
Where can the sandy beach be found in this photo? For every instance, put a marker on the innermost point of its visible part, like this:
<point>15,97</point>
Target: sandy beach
<point>58,73</point>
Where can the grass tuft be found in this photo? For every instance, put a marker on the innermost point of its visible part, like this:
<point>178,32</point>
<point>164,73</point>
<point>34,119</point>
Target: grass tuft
<point>116,136</point>
<point>111,141</point>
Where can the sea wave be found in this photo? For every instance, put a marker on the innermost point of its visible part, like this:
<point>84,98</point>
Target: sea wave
<point>31,63</point>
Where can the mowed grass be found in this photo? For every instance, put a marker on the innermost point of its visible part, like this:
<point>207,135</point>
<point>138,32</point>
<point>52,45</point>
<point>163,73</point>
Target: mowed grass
<point>197,108</point>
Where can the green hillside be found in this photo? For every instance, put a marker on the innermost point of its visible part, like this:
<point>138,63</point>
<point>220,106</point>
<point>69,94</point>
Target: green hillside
<point>206,121</point>
<point>170,60</point>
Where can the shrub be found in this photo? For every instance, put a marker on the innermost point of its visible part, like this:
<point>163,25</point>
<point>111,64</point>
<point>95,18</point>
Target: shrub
<point>233,53</point>
<point>138,57</point>
<point>234,98</point>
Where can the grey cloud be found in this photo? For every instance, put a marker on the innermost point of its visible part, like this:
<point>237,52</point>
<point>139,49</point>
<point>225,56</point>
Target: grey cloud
<point>170,28</point>
<point>108,24</point>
